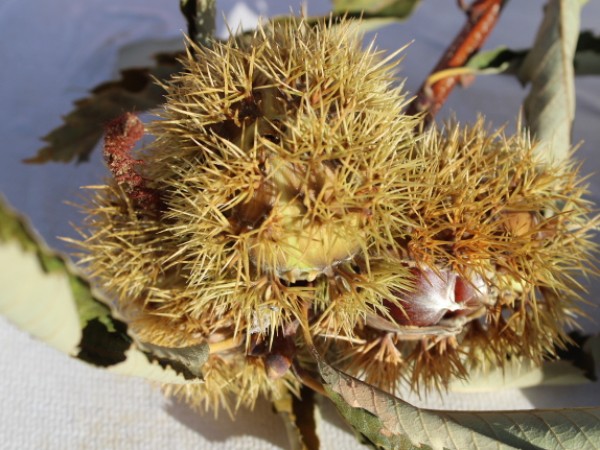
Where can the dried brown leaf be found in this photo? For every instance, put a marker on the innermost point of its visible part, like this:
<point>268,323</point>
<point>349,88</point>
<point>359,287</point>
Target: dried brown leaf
<point>391,423</point>
<point>83,127</point>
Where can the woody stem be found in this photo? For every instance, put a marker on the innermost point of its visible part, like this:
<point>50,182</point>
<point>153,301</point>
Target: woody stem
<point>482,16</point>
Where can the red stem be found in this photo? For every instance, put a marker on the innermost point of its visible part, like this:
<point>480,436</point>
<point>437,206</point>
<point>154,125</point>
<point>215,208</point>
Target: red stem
<point>482,17</point>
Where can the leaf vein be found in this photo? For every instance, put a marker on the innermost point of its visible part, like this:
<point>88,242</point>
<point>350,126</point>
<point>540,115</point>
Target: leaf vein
<point>550,429</point>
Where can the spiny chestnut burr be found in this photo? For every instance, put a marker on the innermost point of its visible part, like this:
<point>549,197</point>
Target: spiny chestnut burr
<point>288,196</point>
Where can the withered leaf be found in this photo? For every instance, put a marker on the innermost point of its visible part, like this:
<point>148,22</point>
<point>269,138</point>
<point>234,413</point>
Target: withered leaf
<point>391,423</point>
<point>548,67</point>
<point>83,127</point>
<point>45,295</point>
<point>508,61</point>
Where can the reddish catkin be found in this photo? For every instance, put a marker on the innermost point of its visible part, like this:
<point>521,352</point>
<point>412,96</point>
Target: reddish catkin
<point>121,135</point>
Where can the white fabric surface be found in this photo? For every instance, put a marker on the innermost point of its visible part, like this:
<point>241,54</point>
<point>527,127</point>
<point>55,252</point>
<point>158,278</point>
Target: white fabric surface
<point>54,52</point>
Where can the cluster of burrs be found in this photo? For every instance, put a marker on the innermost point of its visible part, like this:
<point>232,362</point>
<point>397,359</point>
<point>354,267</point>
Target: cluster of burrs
<point>287,202</point>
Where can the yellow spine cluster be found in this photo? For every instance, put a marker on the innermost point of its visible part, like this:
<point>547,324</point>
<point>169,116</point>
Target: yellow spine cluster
<point>294,193</point>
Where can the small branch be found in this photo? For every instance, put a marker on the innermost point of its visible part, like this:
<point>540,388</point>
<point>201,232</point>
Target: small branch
<point>482,17</point>
<point>201,19</point>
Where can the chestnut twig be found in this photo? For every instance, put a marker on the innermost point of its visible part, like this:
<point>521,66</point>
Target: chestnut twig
<point>482,16</point>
